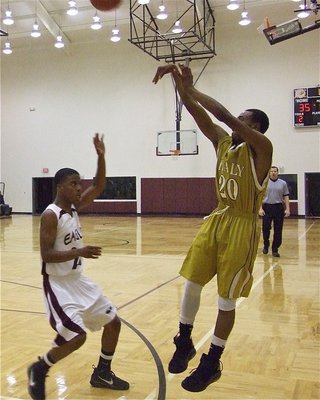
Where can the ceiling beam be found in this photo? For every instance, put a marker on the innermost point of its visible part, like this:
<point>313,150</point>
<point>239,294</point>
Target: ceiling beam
<point>50,23</point>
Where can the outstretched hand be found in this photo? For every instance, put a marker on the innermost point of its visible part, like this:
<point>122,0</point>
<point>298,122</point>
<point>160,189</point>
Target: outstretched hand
<point>182,75</point>
<point>99,144</point>
<point>161,71</point>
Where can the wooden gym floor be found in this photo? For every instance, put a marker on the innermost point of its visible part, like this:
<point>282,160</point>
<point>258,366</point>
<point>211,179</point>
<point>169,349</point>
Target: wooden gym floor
<point>272,353</point>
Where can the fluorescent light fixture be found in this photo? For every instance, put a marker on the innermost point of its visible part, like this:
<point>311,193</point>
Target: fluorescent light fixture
<point>59,43</point>
<point>303,13</point>
<point>96,25</point>
<point>72,10</point>
<point>233,5</point>
<point>35,31</point>
<point>245,20</point>
<point>7,48</point>
<point>115,35</point>
<point>177,27</point>
<point>8,20</point>
<point>162,12</point>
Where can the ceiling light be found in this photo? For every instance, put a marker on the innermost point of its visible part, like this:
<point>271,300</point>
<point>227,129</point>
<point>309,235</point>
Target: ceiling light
<point>115,35</point>
<point>233,5</point>
<point>177,27</point>
<point>142,2</point>
<point>59,43</point>
<point>96,23</point>
<point>162,14</point>
<point>303,13</point>
<point>8,20</point>
<point>7,48</point>
<point>35,31</point>
<point>245,20</point>
<point>72,10</point>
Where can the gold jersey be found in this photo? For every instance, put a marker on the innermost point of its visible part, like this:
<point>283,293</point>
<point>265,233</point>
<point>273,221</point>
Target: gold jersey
<point>236,179</point>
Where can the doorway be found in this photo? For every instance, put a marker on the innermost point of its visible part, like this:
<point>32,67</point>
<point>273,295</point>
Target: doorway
<point>43,193</point>
<point>312,193</point>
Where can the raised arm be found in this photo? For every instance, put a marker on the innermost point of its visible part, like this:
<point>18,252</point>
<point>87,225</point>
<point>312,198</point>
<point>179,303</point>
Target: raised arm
<point>98,185</point>
<point>184,82</point>
<point>247,130</point>
<point>184,85</point>
<point>248,133</point>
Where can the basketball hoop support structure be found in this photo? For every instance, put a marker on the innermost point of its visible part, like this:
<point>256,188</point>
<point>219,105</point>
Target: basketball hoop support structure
<point>155,37</point>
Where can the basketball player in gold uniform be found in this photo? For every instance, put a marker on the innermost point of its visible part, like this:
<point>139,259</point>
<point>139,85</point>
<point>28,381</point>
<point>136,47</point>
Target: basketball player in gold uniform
<point>226,244</point>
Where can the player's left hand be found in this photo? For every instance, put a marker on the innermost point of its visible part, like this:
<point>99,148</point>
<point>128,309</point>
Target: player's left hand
<point>99,144</point>
<point>161,71</point>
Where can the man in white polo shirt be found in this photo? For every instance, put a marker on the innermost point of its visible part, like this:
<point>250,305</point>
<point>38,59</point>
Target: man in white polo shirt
<point>275,206</point>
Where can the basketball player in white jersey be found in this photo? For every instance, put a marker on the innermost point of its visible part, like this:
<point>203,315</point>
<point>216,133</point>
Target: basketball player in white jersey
<point>74,303</point>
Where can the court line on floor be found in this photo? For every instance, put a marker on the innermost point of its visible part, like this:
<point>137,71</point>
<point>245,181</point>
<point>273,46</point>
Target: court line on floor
<point>148,292</point>
<point>305,232</point>
<point>157,360</point>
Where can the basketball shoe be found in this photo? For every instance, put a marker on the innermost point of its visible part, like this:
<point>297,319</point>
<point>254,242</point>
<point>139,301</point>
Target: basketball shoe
<point>185,351</point>
<point>37,374</point>
<point>108,380</point>
<point>207,372</point>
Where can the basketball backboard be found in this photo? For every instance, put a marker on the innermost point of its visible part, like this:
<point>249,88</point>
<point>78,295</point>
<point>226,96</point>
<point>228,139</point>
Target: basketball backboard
<point>183,142</point>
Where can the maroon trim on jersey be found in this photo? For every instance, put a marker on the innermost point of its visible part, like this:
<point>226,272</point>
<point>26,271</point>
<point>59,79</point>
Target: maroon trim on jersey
<point>62,212</point>
<point>65,319</point>
<point>43,268</point>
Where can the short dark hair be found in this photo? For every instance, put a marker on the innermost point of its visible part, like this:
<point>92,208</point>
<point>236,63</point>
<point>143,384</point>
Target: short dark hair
<point>260,117</point>
<point>273,166</point>
<point>63,173</point>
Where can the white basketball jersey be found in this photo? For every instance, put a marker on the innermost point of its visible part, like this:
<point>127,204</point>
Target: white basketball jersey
<point>68,237</point>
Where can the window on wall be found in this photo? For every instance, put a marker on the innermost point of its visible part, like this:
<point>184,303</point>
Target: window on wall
<point>119,188</point>
<point>292,182</point>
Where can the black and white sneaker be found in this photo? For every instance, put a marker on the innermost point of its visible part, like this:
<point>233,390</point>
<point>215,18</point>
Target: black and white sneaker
<point>206,373</point>
<point>36,381</point>
<point>107,380</point>
<point>185,351</point>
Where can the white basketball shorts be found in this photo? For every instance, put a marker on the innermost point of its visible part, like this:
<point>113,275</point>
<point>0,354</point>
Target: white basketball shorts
<point>74,303</point>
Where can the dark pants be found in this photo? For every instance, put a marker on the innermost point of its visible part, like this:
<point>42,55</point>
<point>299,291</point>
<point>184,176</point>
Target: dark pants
<point>273,213</point>
<point>4,209</point>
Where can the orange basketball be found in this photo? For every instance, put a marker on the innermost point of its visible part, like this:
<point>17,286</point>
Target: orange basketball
<point>105,5</point>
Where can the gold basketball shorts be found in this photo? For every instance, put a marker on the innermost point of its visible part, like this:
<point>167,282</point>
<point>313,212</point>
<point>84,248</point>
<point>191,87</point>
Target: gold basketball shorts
<point>226,245</point>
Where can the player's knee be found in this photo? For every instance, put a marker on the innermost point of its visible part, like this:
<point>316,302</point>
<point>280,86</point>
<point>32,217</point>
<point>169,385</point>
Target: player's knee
<point>78,341</point>
<point>115,324</point>
<point>192,289</point>
<point>226,304</point>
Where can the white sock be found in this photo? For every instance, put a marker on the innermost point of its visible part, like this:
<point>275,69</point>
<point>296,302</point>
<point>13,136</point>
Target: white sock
<point>218,342</point>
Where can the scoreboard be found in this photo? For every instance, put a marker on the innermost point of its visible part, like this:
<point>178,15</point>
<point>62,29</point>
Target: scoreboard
<point>306,104</point>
